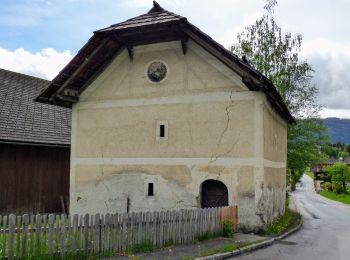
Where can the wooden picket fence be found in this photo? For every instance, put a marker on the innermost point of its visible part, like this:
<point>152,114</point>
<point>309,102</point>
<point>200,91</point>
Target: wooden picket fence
<point>59,235</point>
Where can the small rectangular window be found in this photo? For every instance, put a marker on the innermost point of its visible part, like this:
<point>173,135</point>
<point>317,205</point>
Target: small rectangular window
<point>161,130</point>
<point>150,189</point>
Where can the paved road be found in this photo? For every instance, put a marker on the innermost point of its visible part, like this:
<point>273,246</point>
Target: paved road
<point>324,235</point>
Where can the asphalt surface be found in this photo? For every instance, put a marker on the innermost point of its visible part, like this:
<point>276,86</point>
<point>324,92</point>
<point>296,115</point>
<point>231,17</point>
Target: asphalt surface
<point>325,233</point>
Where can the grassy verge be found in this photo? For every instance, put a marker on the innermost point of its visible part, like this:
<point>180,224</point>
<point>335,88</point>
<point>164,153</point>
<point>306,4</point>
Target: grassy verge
<point>309,173</point>
<point>228,248</point>
<point>282,224</point>
<point>289,220</point>
<point>344,198</point>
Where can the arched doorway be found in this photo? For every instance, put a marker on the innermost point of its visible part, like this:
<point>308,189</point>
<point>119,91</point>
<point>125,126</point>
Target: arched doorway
<point>214,194</point>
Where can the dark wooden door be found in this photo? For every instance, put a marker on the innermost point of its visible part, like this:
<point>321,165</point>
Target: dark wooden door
<point>214,194</point>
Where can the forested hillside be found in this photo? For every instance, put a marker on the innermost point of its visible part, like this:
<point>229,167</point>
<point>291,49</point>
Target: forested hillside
<point>339,129</point>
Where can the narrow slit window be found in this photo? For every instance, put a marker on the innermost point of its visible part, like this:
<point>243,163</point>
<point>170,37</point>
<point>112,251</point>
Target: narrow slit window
<point>150,189</point>
<point>162,131</point>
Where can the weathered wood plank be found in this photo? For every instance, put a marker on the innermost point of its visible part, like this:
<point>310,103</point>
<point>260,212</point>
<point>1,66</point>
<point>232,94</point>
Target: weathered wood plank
<point>25,223</point>
<point>80,243</point>
<point>161,229</point>
<point>139,228</point>
<point>4,227</point>
<point>37,234</point>
<point>18,235</point>
<point>51,230</point>
<point>97,232</point>
<point>124,232</point>
<point>102,233</point>
<point>91,234</point>
<point>86,232</point>
<point>63,235</point>
<point>12,224</point>
<point>56,234</point>
<point>75,233</point>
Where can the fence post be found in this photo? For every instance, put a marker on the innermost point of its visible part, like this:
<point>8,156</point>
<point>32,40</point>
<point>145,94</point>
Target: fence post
<point>97,232</point>
<point>12,222</point>
<point>25,222</point>
<point>51,231</point>
<point>86,232</point>
<point>124,237</point>
<point>37,234</point>
<point>75,233</point>
<point>4,227</point>
<point>63,234</point>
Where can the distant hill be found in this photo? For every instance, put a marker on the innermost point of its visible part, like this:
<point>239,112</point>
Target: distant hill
<point>339,129</point>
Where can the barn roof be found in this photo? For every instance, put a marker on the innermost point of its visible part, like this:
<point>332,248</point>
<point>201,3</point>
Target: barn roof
<point>22,120</point>
<point>158,25</point>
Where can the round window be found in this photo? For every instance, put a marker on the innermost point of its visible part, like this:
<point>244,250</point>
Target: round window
<point>156,71</point>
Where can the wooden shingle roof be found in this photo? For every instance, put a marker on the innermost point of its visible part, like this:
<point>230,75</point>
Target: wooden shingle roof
<point>22,120</point>
<point>158,25</point>
<point>157,15</point>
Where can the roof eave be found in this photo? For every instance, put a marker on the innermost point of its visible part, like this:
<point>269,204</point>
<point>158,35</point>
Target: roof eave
<point>259,81</point>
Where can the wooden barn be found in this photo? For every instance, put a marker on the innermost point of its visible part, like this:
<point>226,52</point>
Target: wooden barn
<point>34,147</point>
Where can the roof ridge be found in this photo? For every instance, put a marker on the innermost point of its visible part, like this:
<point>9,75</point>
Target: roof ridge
<point>156,8</point>
<point>154,12</point>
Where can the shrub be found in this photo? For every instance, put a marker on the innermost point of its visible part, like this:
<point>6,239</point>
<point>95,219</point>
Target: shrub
<point>228,228</point>
<point>340,175</point>
<point>339,188</point>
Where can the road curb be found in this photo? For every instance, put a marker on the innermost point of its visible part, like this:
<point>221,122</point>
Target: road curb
<point>253,247</point>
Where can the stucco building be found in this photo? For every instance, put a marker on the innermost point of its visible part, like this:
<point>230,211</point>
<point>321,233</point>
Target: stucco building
<point>163,117</point>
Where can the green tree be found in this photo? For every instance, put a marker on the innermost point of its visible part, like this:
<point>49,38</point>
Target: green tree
<point>347,148</point>
<point>343,154</point>
<point>307,143</point>
<point>276,54</point>
<point>340,176</point>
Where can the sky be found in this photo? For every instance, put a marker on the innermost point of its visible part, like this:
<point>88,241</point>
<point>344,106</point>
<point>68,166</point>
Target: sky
<point>39,37</point>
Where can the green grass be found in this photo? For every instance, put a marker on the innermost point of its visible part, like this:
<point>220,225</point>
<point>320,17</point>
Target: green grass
<point>142,248</point>
<point>228,248</point>
<point>223,249</point>
<point>280,225</point>
<point>40,250</point>
<point>344,198</point>
<point>310,174</point>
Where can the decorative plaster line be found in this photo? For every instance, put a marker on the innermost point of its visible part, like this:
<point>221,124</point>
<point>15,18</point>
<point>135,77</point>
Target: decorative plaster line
<point>250,161</point>
<point>184,99</point>
<point>165,161</point>
<point>272,164</point>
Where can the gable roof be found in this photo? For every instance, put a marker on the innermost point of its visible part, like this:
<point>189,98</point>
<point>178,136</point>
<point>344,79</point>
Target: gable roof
<point>158,25</point>
<point>24,121</point>
<point>157,15</point>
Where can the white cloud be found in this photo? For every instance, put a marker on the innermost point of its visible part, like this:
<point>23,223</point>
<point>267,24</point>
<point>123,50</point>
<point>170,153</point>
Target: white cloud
<point>331,62</point>
<point>44,64</point>
<point>340,113</point>
<point>229,36</point>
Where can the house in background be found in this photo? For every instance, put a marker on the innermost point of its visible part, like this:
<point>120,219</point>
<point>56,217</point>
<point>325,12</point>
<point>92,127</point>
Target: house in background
<point>319,171</point>
<point>166,118</point>
<point>34,147</point>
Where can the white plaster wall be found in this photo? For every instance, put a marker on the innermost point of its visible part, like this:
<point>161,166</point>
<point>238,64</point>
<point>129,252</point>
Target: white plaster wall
<point>216,131</point>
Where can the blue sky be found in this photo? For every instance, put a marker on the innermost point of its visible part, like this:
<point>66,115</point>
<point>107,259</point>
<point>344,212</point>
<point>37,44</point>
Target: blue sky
<point>62,25</point>
<point>38,37</point>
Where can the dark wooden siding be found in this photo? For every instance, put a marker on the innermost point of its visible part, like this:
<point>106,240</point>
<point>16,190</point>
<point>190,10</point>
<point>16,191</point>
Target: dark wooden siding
<point>32,178</point>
